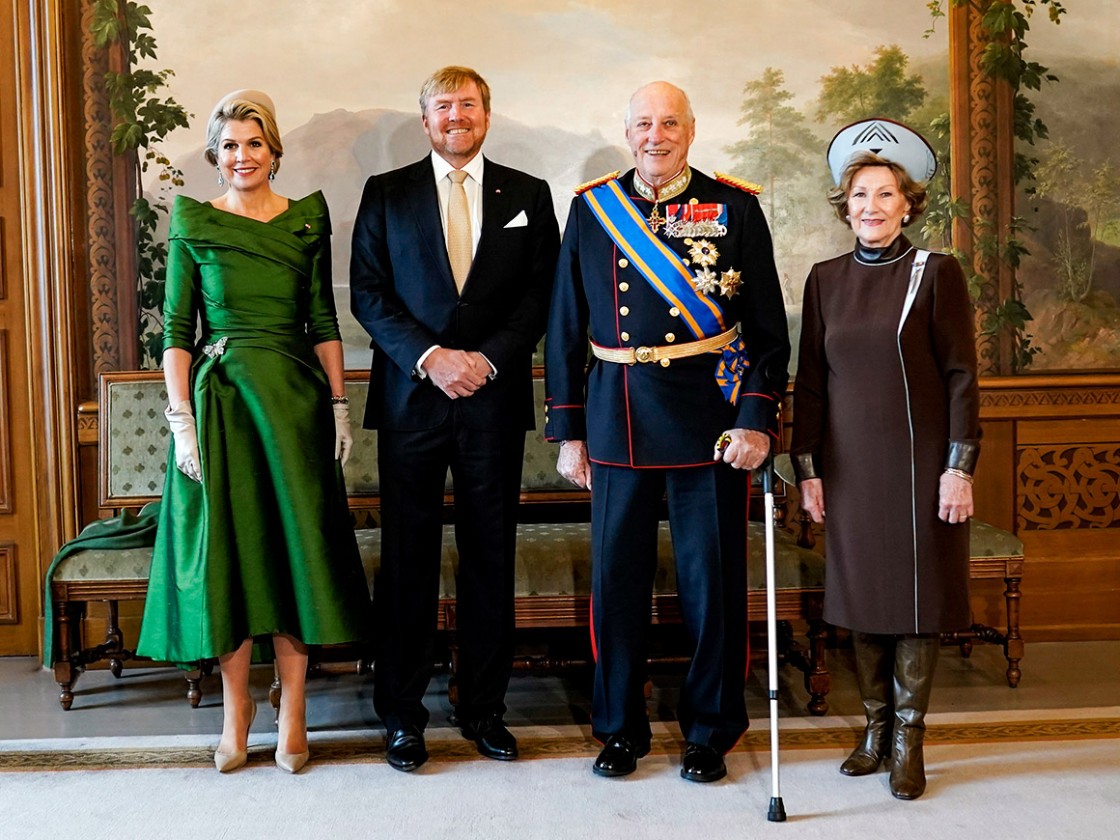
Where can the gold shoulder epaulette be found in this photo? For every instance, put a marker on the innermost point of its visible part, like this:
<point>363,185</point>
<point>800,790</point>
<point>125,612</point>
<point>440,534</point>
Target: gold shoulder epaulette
<point>738,183</point>
<point>582,188</point>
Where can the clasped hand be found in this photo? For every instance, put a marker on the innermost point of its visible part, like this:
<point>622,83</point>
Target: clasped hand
<point>746,449</point>
<point>458,373</point>
<point>573,463</point>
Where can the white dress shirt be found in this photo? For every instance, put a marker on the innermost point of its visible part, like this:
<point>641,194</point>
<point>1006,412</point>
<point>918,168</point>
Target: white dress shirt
<point>473,187</point>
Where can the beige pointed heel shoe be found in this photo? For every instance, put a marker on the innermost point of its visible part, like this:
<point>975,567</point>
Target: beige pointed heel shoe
<point>292,762</point>
<point>228,762</point>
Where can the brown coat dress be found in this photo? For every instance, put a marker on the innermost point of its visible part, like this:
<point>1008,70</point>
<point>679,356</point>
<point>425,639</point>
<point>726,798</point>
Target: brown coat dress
<point>875,410</point>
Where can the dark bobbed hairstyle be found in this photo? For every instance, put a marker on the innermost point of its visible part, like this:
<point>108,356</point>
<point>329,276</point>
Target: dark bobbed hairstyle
<point>913,191</point>
<point>238,110</point>
<point>450,79</point>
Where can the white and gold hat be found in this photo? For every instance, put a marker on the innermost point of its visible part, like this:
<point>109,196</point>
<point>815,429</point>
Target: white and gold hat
<point>886,138</point>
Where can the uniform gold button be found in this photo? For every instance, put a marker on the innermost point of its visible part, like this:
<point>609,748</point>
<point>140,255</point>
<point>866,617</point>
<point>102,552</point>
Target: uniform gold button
<point>687,262</point>
<point>664,363</point>
<point>674,312</point>
<point>670,338</point>
<point>688,242</point>
<point>694,201</point>
<point>624,336</point>
<point>624,310</point>
<point>622,263</point>
<point>624,286</point>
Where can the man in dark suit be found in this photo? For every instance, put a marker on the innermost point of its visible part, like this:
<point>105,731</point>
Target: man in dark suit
<point>451,273</point>
<point>672,274</point>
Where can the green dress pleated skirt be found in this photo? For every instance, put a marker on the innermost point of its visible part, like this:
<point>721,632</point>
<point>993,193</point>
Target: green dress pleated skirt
<point>265,543</point>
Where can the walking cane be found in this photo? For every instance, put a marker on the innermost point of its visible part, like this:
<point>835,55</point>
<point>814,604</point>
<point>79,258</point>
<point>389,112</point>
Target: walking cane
<point>777,812</point>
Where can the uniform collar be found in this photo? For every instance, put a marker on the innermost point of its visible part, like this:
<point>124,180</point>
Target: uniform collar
<point>674,187</point>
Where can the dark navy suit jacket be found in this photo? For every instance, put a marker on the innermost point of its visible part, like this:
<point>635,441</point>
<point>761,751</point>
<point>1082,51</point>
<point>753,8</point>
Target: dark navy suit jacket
<point>646,415</point>
<point>403,293</point>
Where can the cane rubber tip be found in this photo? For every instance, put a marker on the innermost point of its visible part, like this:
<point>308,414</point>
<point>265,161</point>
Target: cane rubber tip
<point>777,812</point>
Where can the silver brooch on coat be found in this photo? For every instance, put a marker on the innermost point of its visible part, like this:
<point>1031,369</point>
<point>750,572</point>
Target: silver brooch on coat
<point>217,348</point>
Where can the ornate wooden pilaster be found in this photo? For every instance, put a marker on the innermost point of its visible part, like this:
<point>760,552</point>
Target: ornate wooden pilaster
<point>110,187</point>
<point>983,154</point>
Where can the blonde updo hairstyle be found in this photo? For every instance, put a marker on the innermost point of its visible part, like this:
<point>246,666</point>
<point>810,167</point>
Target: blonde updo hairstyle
<point>235,109</point>
<point>912,190</point>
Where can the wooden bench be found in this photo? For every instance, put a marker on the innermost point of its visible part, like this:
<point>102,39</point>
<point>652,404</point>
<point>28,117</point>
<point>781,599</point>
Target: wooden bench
<point>553,555</point>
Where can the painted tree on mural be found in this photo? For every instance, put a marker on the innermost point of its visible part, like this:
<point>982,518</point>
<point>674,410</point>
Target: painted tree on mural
<point>779,147</point>
<point>1086,198</point>
<point>880,89</point>
<point>780,152</point>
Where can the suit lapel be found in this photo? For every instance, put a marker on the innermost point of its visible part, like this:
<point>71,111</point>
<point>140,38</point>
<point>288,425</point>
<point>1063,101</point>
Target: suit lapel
<point>495,204</point>
<point>423,201</point>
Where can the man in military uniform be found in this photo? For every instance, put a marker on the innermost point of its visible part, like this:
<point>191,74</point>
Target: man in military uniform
<point>671,273</point>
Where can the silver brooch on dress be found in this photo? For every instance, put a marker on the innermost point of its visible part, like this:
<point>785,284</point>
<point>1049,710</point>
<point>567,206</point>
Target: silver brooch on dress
<point>217,348</point>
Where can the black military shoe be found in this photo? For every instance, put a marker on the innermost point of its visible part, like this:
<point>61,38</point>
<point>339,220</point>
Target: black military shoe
<point>619,757</point>
<point>702,763</point>
<point>406,750</point>
<point>492,738</point>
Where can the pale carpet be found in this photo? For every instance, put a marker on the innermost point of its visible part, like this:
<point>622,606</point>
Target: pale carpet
<point>992,776</point>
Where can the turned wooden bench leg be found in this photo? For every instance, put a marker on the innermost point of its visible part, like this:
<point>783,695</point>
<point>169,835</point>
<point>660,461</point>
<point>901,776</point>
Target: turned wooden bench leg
<point>114,641</point>
<point>1013,648</point>
<point>194,681</point>
<point>64,670</point>
<point>274,692</point>
<point>818,680</point>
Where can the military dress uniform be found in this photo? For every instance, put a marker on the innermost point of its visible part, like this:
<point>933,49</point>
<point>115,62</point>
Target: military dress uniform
<point>651,405</point>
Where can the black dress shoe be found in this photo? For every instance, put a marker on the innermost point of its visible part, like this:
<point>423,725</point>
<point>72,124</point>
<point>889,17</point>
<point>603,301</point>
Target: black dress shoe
<point>619,757</point>
<point>406,750</point>
<point>702,763</point>
<point>492,738</point>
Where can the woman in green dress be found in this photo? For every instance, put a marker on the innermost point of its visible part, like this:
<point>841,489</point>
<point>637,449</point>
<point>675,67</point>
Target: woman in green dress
<point>255,537</point>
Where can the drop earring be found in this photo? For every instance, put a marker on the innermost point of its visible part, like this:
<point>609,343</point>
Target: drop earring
<point>906,219</point>
<point>221,180</point>
<point>272,171</point>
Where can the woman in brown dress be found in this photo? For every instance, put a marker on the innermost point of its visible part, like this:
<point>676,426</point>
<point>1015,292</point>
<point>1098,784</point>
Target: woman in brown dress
<point>886,439</point>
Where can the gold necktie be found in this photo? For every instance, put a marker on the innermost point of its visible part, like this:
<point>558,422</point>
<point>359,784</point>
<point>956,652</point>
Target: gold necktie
<point>459,230</point>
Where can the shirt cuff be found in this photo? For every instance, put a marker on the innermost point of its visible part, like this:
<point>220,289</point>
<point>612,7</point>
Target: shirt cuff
<point>418,369</point>
<point>493,370</point>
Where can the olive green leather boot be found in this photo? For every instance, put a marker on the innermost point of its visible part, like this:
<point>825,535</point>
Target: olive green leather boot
<point>914,661</point>
<point>875,675</point>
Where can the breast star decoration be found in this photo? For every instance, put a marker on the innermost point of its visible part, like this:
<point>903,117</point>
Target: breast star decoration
<point>729,283</point>
<point>706,281</point>
<point>702,252</point>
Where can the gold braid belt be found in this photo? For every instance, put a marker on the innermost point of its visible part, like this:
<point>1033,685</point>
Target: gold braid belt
<point>646,355</point>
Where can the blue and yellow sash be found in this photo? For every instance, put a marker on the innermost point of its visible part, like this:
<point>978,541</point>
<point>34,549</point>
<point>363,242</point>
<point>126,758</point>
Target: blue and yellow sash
<point>661,267</point>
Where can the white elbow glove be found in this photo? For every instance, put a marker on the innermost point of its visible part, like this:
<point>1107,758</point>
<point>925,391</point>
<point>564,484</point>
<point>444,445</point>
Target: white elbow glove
<point>181,420</point>
<point>343,438</point>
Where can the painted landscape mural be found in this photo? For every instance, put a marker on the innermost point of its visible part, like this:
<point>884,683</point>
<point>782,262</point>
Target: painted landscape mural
<point>770,82</point>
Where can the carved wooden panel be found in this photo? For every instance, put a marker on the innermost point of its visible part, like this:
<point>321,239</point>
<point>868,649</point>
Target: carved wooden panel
<point>5,439</point>
<point>100,203</point>
<point>9,591</point>
<point>1062,487</point>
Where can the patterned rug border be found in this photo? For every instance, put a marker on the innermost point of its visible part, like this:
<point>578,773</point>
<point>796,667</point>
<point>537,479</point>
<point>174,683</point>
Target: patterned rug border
<point>550,747</point>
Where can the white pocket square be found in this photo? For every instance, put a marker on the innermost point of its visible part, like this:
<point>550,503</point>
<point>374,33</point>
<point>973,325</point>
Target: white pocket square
<point>520,220</point>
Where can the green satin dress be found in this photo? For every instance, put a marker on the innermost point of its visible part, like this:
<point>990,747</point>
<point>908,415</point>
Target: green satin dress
<point>265,543</point>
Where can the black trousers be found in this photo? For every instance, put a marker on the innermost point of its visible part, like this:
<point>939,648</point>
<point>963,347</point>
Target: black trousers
<point>707,519</point>
<point>485,467</point>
